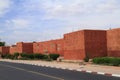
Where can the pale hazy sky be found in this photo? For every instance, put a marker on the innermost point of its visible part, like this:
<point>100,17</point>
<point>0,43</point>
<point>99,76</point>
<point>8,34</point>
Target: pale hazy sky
<point>38,20</point>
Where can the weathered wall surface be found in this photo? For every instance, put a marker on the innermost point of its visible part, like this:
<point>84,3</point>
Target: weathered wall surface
<point>13,49</point>
<point>60,46</point>
<point>27,47</point>
<point>0,49</point>
<point>75,45</point>
<point>52,46</point>
<point>74,48</point>
<point>113,42</point>
<point>36,47</point>
<point>19,47</point>
<point>22,47</point>
<point>95,43</point>
<point>4,49</point>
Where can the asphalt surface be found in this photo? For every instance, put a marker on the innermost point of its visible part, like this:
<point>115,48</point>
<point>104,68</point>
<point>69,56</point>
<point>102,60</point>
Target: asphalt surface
<point>15,71</point>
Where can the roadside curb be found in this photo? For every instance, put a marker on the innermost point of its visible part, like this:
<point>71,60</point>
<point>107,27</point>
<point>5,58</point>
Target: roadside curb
<point>79,70</point>
<point>71,69</point>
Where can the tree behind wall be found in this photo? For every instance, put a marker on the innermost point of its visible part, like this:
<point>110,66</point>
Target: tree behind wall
<point>2,43</point>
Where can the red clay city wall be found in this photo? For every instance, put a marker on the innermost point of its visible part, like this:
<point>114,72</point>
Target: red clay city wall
<point>76,45</point>
<point>48,47</point>
<point>113,42</point>
<point>13,49</point>
<point>0,49</point>
<point>60,46</point>
<point>52,46</point>
<point>74,48</point>
<point>95,43</point>
<point>19,47</point>
<point>4,49</point>
<point>36,47</point>
<point>22,47</point>
<point>27,47</point>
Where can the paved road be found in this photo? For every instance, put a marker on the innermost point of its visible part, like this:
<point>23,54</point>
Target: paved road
<point>15,71</point>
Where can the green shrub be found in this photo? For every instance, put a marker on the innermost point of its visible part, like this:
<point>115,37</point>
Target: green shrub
<point>38,56</point>
<point>45,56</point>
<point>7,56</point>
<point>49,57</point>
<point>3,55</point>
<point>11,57</point>
<point>16,54</point>
<point>54,56</point>
<point>23,55</point>
<point>28,56</point>
<point>86,59</point>
<point>107,61</point>
<point>115,61</point>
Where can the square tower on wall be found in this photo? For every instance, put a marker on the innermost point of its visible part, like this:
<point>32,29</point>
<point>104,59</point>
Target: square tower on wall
<point>79,44</point>
<point>113,42</point>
